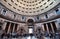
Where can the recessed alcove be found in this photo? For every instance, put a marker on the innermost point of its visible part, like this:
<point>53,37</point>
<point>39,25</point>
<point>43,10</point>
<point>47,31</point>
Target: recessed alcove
<point>30,21</point>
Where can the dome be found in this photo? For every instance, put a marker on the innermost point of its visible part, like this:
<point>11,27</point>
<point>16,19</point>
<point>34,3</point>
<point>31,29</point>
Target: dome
<point>30,7</point>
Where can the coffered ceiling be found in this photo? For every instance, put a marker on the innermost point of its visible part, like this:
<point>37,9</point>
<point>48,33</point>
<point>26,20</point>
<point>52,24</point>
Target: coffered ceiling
<point>30,7</point>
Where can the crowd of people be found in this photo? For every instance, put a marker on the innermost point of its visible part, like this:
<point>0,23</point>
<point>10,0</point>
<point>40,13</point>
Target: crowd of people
<point>39,34</point>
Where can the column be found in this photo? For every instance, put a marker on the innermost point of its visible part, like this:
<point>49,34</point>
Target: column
<point>52,27</point>
<point>43,30</point>
<point>9,28</point>
<point>4,25</point>
<point>12,25</point>
<point>47,31</point>
<point>57,25</point>
<point>16,25</point>
<point>47,28</point>
<point>43,27</point>
<point>13,28</point>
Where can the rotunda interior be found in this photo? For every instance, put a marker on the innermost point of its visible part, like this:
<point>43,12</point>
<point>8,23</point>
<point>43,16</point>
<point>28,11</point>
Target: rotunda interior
<point>29,19</point>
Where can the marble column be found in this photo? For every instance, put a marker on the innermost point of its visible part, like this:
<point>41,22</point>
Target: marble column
<point>47,28</point>
<point>13,28</point>
<point>52,27</point>
<point>9,28</point>
<point>4,25</point>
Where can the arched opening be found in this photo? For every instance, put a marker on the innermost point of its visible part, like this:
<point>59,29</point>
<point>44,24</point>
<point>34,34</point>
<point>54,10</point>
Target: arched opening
<point>30,21</point>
